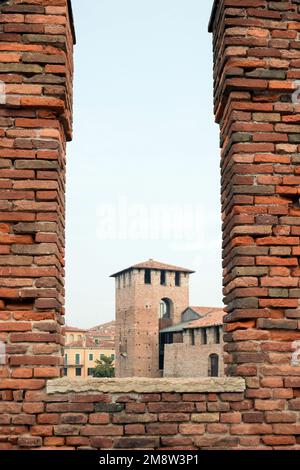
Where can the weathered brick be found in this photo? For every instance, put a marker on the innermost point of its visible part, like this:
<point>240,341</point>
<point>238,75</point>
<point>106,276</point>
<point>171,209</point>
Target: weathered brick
<point>99,418</point>
<point>124,418</point>
<point>29,441</point>
<point>136,443</point>
<point>161,429</point>
<point>205,417</point>
<point>254,429</point>
<point>280,417</point>
<point>171,407</point>
<point>173,417</point>
<point>95,430</point>
<point>189,429</point>
<point>66,430</point>
<point>74,418</point>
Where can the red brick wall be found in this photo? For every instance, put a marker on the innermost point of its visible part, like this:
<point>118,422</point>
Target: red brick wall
<point>35,121</point>
<point>257,59</point>
<point>147,421</point>
<point>188,421</point>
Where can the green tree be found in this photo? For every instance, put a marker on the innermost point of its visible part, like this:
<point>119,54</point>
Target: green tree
<point>104,367</point>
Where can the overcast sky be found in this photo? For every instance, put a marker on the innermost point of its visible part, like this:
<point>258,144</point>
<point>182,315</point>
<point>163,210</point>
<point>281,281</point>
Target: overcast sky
<point>143,168</point>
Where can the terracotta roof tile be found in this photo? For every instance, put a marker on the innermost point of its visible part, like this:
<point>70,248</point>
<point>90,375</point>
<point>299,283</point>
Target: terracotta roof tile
<point>203,310</point>
<point>74,328</point>
<point>156,265</point>
<point>103,328</point>
<point>89,343</point>
<point>213,317</point>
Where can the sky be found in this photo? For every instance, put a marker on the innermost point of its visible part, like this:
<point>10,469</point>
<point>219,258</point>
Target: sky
<point>143,172</point>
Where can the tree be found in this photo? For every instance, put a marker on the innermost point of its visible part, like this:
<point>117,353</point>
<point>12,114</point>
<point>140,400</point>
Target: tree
<point>104,367</point>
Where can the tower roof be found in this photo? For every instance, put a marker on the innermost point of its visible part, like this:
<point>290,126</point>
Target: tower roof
<point>155,265</point>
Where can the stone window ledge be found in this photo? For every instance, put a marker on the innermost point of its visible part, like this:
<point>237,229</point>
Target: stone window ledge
<point>145,385</point>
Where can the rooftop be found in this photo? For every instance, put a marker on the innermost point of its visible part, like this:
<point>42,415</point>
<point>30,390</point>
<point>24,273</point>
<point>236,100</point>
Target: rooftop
<point>74,329</point>
<point>210,316</point>
<point>103,328</point>
<point>89,343</point>
<point>213,318</point>
<point>202,311</point>
<point>155,265</point>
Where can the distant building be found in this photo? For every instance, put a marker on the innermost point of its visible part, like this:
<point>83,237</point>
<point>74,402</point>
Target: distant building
<point>154,325</point>
<point>194,347</point>
<point>73,333</point>
<point>83,348</point>
<point>103,332</point>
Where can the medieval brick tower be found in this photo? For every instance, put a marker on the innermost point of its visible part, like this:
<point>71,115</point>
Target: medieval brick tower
<point>149,296</point>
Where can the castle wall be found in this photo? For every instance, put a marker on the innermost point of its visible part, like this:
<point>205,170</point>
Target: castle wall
<point>185,360</point>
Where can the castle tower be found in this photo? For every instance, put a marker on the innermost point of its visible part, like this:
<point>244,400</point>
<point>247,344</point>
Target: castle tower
<point>149,296</point>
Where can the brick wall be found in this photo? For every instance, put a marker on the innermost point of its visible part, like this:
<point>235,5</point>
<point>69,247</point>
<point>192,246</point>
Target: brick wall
<point>257,60</point>
<point>184,360</point>
<point>151,420</point>
<point>35,121</point>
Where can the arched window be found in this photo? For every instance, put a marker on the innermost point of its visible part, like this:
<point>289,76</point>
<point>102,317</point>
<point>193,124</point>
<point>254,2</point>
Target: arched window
<point>165,309</point>
<point>213,365</point>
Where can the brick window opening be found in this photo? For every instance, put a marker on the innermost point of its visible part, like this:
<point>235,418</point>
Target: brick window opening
<point>213,365</point>
<point>78,371</point>
<point>165,308</point>
<point>90,371</point>
<point>123,347</point>
<point>147,276</point>
<point>162,278</point>
<point>65,371</point>
<point>177,279</point>
<point>192,337</point>
<point>77,359</point>
<point>217,335</point>
<point>91,357</point>
<point>204,336</point>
